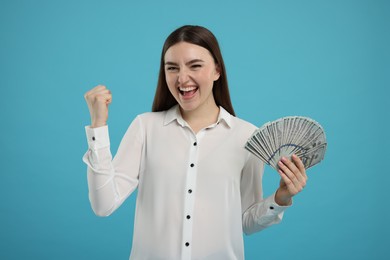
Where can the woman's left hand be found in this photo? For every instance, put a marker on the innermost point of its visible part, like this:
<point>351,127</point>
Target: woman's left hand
<point>293,179</point>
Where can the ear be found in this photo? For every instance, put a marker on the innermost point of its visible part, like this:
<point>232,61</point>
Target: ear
<point>217,72</point>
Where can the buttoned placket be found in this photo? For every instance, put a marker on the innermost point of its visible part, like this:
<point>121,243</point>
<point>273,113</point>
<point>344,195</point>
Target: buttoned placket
<point>190,192</point>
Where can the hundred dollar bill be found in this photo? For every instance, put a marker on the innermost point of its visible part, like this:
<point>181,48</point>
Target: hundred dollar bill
<point>286,136</point>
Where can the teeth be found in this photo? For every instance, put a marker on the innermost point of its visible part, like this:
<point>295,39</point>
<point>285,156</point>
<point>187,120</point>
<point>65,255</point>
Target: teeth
<point>187,89</point>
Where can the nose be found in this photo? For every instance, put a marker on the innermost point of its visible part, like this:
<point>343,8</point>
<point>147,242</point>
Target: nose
<point>183,77</point>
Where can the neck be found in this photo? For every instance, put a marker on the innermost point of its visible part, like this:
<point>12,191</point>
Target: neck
<point>201,117</point>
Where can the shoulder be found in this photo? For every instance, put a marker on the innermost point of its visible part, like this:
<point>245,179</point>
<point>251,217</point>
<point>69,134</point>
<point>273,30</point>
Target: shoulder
<point>239,130</point>
<point>159,118</point>
<point>151,115</point>
<point>235,123</point>
<point>142,123</point>
<point>148,119</point>
<point>242,126</point>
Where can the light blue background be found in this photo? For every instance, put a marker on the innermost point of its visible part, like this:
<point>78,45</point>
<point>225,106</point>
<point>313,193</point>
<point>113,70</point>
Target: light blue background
<point>328,60</point>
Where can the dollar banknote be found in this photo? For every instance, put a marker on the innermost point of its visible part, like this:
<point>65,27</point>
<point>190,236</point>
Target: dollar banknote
<point>286,136</point>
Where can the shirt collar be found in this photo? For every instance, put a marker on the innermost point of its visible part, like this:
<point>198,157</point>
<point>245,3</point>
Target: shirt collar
<point>225,117</point>
<point>174,114</point>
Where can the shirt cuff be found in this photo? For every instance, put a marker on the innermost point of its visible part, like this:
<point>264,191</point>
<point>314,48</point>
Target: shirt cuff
<point>273,206</point>
<point>97,137</point>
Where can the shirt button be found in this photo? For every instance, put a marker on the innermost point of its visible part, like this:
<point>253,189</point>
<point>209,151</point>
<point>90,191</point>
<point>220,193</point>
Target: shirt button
<point>93,138</point>
<point>271,207</point>
<point>187,244</point>
<point>192,165</point>
<point>188,216</point>
<point>195,144</point>
<point>189,191</point>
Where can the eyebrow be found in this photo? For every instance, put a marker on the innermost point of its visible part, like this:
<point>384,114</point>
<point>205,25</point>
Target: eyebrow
<point>187,63</point>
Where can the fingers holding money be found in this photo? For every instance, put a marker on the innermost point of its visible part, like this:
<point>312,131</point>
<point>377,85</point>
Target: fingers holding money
<point>293,174</point>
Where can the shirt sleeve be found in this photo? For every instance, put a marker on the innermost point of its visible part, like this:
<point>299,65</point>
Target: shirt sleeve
<point>111,181</point>
<point>257,213</point>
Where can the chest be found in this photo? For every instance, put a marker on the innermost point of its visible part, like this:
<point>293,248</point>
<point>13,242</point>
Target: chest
<point>216,153</point>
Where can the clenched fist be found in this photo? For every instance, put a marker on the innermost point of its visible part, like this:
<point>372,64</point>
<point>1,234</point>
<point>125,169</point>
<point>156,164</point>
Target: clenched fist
<point>98,100</point>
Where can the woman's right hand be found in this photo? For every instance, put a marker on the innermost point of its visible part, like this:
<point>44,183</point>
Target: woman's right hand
<point>98,100</point>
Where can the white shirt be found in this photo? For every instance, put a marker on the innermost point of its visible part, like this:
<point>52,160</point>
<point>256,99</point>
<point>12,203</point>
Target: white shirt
<point>197,193</point>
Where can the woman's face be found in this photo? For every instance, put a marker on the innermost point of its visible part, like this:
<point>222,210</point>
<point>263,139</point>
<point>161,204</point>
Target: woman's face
<point>190,73</point>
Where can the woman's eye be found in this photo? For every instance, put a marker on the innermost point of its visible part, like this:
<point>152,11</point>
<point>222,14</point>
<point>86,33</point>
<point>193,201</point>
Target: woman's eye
<point>196,66</point>
<point>171,68</point>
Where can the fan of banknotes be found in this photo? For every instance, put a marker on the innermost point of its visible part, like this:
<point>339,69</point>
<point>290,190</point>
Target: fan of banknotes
<point>286,136</point>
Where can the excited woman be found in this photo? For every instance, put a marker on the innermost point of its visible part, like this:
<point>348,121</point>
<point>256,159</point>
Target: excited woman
<point>198,188</point>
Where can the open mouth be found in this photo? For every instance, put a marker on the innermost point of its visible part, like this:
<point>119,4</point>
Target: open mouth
<point>188,91</point>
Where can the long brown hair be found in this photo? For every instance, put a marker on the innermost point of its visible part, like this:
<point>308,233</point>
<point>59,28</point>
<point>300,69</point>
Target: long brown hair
<point>163,99</point>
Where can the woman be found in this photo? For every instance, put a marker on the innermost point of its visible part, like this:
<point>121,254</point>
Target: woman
<point>198,188</point>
